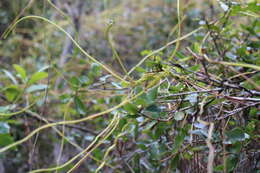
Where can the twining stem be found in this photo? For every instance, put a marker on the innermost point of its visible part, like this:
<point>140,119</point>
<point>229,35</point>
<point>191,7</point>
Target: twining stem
<point>179,31</point>
<point>110,42</point>
<point>104,132</point>
<point>87,118</point>
<point>70,37</point>
<point>162,48</point>
<point>92,147</point>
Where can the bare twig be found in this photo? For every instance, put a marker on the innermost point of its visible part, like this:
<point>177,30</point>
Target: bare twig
<point>211,149</point>
<point>237,110</point>
<point>72,126</point>
<point>191,92</point>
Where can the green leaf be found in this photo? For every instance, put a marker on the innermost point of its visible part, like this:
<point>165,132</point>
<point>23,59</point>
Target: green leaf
<point>97,153</point>
<point>21,71</point>
<point>4,128</point>
<point>83,80</point>
<point>176,88</point>
<point>34,88</point>
<point>149,126</point>
<point>175,162</point>
<point>146,52</point>
<point>179,116</point>
<point>37,76</point>
<point>10,76</point>
<point>75,82</point>
<point>179,141</point>
<point>5,139</point>
<point>131,108</point>
<point>12,92</point>
<point>65,98</point>
<point>160,129</point>
<point>142,100</point>
<point>5,109</point>
<point>152,94</point>
<point>80,107</point>
<point>192,98</point>
<point>235,10</point>
<point>253,112</point>
<point>196,47</point>
<point>231,163</point>
<point>195,68</point>
<point>130,129</point>
<point>153,108</point>
<point>180,55</point>
<point>155,153</point>
<point>44,68</point>
<point>124,84</point>
<point>95,69</point>
<point>140,70</point>
<point>236,135</point>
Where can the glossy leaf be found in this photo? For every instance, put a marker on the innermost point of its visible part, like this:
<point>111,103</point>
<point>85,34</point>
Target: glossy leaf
<point>34,88</point>
<point>4,128</point>
<point>37,77</point>
<point>236,135</point>
<point>178,141</point>
<point>179,116</point>
<point>10,76</point>
<point>12,92</point>
<point>5,139</point>
<point>80,107</point>
<point>21,71</point>
<point>131,108</point>
<point>152,94</point>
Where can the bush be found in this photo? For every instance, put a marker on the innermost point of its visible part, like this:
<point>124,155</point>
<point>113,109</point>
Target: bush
<point>189,105</point>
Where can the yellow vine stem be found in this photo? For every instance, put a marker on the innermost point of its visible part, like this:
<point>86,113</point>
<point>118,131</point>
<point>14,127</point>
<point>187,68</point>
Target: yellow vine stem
<point>29,4</point>
<point>162,48</point>
<point>245,77</point>
<point>62,135</point>
<point>104,132</point>
<point>182,19</point>
<point>225,63</point>
<point>256,67</point>
<point>238,64</point>
<point>90,117</point>
<point>59,10</point>
<point>114,126</point>
<point>105,156</point>
<point>203,42</point>
<point>112,147</point>
<point>63,132</point>
<point>18,112</point>
<point>70,37</point>
<point>179,31</point>
<point>110,42</point>
<point>250,14</point>
<point>175,28</point>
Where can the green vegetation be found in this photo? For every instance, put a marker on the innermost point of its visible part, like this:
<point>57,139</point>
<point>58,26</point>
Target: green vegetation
<point>129,86</point>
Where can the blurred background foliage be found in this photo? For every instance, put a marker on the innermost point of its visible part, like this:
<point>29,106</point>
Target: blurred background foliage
<point>45,73</point>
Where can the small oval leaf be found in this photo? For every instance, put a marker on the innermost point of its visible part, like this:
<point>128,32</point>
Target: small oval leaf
<point>21,71</point>
<point>179,116</point>
<point>37,76</point>
<point>80,107</point>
